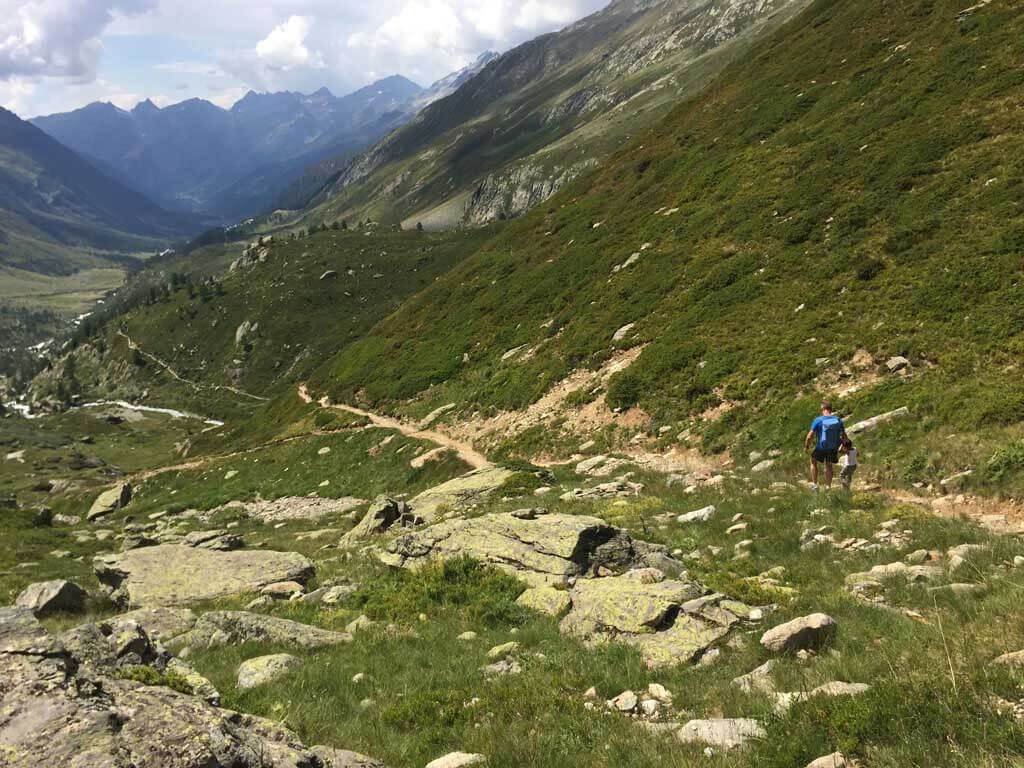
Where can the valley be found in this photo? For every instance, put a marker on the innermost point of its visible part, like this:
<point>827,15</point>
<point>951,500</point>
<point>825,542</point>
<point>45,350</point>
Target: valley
<point>493,450</point>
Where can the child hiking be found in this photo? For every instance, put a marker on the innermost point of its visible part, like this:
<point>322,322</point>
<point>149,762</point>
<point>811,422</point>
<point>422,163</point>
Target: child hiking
<point>823,440</point>
<point>847,462</point>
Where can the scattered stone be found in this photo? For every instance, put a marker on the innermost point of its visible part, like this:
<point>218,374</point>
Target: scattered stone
<point>897,363</point>
<point>702,515</point>
<point>1015,660</point>
<point>467,636</point>
<point>876,421</point>
<point>660,693</point>
<point>457,760</point>
<point>625,702</point>
<point>221,628</point>
<point>329,595</point>
<point>757,681</point>
<point>500,668</point>
<point>170,575</point>
<point>614,489</point>
<point>725,734</point>
<point>218,540</point>
<point>343,758</point>
<point>110,501</point>
<point>623,332</point>
<point>835,760</point>
<point>503,650</point>
<point>805,633</point>
<point>265,669</point>
<point>48,597</point>
<point>360,623</point>
<point>763,466</point>
<point>283,590</point>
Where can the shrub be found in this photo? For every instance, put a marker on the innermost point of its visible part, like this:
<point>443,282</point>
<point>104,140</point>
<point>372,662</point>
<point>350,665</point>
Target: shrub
<point>1008,459</point>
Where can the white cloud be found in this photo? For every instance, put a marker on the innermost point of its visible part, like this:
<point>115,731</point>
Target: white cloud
<point>57,38</point>
<point>285,46</point>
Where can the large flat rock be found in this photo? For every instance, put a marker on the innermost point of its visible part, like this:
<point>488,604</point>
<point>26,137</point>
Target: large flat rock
<point>171,574</point>
<point>459,493</point>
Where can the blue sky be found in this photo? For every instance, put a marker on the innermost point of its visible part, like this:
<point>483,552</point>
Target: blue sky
<point>57,55</point>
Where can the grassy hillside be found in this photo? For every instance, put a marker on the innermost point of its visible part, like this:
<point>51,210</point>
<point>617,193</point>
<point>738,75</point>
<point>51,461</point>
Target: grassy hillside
<point>260,328</point>
<point>828,194</point>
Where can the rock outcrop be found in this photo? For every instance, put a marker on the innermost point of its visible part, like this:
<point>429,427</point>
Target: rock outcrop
<point>220,628</point>
<point>55,711</point>
<point>546,550</point>
<point>170,574</point>
<point>384,513</point>
<point>266,669</point>
<point>804,633</point>
<point>458,494</point>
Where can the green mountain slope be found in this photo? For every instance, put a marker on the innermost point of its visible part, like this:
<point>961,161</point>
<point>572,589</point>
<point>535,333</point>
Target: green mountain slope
<point>545,112</point>
<point>51,199</point>
<point>830,193</point>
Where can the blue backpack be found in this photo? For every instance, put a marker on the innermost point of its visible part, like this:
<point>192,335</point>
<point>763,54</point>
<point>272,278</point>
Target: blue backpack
<point>831,433</point>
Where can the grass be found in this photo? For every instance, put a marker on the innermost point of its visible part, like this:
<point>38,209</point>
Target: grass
<point>421,693</point>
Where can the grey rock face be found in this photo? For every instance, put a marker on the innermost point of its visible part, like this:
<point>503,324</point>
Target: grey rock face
<point>48,597</point>
<point>56,714</point>
<point>171,574</point>
<point>383,514</point>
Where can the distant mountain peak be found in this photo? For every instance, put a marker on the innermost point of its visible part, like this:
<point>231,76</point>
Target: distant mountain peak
<point>145,107</point>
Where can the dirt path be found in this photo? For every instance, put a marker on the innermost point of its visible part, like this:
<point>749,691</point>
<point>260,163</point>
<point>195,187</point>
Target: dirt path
<point>175,375</point>
<point>463,449</point>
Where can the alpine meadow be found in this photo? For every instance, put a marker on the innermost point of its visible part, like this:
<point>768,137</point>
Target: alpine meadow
<point>620,385</point>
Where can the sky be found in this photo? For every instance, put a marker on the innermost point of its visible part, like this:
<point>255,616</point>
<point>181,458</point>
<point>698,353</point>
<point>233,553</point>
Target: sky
<point>57,55</point>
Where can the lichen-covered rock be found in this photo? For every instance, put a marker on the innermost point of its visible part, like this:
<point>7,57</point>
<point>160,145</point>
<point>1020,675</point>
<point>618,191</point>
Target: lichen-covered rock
<point>670,622</point>
<point>456,494</point>
<point>805,633</point>
<point>48,597</point>
<point>343,758</point>
<point>543,551</point>
<point>161,624</point>
<point>54,713</point>
<point>553,602</point>
<point>173,575</point>
<point>110,501</point>
<point>266,669</point>
<point>220,628</point>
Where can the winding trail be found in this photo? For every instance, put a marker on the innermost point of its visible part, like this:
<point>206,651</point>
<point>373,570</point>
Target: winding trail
<point>132,345</point>
<point>464,450</point>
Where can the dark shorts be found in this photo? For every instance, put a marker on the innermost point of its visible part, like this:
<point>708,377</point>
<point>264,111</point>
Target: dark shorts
<point>829,457</point>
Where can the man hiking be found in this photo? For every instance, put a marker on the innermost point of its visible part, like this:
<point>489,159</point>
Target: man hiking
<point>826,435</point>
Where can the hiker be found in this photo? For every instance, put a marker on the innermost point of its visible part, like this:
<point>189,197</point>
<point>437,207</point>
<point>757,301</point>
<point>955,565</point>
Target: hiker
<point>847,462</point>
<point>823,441</point>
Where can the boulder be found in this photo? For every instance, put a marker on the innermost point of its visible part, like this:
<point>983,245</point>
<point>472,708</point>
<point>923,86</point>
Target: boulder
<point>876,421</point>
<point>163,624</point>
<point>701,515</point>
<point>1014,660</point>
<point>174,575</point>
<point>725,734</point>
<point>544,551</point>
<point>58,712</point>
<point>110,501</point>
<point>670,622</point>
<point>221,628</point>
<point>553,602</point>
<point>802,634</point>
<point>283,590</point>
<point>265,669</point>
<point>457,760</point>
<point>219,540</point>
<point>835,760</point>
<point>343,758</point>
<point>759,680</point>
<point>47,597</point>
<point>459,493</point>
<point>383,514</point>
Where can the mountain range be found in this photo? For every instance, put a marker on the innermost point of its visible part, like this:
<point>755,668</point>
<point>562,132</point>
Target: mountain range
<point>59,212</point>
